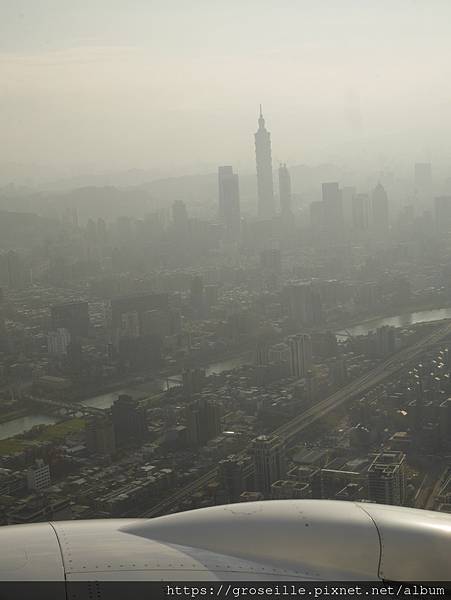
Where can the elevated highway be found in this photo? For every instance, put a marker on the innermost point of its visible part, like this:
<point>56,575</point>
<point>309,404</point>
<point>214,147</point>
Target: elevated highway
<point>290,430</point>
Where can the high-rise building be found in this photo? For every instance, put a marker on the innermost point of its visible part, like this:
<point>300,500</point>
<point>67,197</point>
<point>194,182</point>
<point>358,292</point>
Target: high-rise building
<point>130,327</point>
<point>229,202</point>
<point>347,195</point>
<point>73,316</point>
<point>203,420</point>
<point>360,212</point>
<point>269,462</point>
<point>333,208</point>
<point>128,314</point>
<point>232,474</point>
<point>262,353</point>
<point>265,186</point>
<point>386,478</point>
<point>193,381</point>
<point>100,438</point>
<point>285,191</point>
<point>38,476</point>
<point>386,340</point>
<point>300,354</point>
<point>289,490</point>
<point>379,209</point>
<point>129,420</point>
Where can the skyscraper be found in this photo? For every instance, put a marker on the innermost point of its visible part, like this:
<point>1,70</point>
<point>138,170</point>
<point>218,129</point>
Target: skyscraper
<point>360,212</point>
<point>379,209</point>
<point>229,202</point>
<point>265,187</point>
<point>129,420</point>
<point>269,462</point>
<point>386,478</point>
<point>203,420</point>
<point>285,191</point>
<point>99,433</point>
<point>300,354</point>
<point>333,208</point>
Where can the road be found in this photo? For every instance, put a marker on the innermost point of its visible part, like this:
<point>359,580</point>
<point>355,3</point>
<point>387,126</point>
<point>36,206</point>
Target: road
<point>359,386</point>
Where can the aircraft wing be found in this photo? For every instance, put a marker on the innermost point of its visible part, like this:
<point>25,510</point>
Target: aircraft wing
<point>273,540</point>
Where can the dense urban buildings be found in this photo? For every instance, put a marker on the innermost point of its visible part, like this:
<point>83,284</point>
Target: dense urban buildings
<point>211,352</point>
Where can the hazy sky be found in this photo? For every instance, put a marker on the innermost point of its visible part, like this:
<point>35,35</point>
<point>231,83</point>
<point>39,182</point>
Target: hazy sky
<point>106,84</point>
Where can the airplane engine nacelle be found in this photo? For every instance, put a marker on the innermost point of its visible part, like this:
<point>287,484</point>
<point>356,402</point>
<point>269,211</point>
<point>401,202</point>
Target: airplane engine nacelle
<point>273,540</point>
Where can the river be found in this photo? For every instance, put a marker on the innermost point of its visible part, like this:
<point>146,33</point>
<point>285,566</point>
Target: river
<point>404,320</point>
<point>104,401</point>
<point>22,424</point>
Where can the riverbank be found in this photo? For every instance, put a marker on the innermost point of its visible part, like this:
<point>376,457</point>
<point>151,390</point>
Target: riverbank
<point>6,417</point>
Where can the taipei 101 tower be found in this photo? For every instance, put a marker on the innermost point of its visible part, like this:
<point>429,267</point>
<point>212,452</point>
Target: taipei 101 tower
<point>265,189</point>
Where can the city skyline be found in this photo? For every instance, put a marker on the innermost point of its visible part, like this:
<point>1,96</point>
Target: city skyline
<point>81,97</point>
<point>227,282</point>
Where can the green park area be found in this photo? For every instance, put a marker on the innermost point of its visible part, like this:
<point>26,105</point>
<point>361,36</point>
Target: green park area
<point>52,433</point>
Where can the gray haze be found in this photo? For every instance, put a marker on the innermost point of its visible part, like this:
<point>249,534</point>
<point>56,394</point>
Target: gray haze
<point>174,86</point>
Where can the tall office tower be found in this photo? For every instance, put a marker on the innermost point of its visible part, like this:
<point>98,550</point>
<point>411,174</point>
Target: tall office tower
<point>129,420</point>
<point>229,202</point>
<point>193,381</point>
<point>232,476</point>
<point>386,340</point>
<point>203,420</point>
<point>73,316</point>
<point>386,478</point>
<point>265,187</point>
<point>360,212</point>
<point>136,305</point>
<point>269,462</point>
<point>300,354</point>
<point>423,184</point>
<point>379,209</point>
<point>100,438</point>
<point>285,191</point>
<point>262,353</point>
<point>333,208</point>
